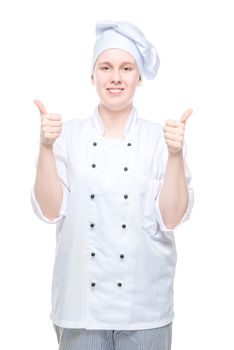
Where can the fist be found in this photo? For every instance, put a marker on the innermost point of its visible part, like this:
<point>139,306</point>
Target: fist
<point>174,132</point>
<point>51,125</point>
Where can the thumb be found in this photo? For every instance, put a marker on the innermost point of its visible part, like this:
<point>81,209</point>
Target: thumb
<point>40,106</point>
<point>185,116</point>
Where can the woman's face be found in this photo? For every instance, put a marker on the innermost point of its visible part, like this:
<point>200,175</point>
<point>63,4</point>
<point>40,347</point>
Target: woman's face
<point>116,77</point>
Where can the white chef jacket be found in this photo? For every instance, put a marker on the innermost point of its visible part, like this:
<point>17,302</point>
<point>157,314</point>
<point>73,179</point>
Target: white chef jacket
<point>115,259</point>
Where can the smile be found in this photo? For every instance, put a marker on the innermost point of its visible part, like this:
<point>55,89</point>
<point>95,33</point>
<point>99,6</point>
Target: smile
<point>115,91</point>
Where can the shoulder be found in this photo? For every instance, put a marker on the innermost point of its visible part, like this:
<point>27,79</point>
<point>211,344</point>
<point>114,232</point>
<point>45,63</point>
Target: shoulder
<point>74,125</point>
<point>151,129</point>
<point>151,124</point>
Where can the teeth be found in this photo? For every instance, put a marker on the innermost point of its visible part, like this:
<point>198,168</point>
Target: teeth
<point>115,91</point>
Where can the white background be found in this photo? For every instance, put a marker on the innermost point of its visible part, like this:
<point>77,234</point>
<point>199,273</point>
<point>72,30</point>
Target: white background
<point>46,50</point>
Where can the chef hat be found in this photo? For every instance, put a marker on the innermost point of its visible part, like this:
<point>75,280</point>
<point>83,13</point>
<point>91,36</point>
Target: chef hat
<point>126,36</point>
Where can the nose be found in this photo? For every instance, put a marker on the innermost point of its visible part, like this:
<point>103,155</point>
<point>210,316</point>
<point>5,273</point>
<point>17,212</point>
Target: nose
<point>115,76</point>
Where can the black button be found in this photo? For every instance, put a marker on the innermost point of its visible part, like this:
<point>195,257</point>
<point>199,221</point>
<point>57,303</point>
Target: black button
<point>92,196</point>
<point>92,225</point>
<point>94,143</point>
<point>125,196</point>
<point>93,284</point>
<point>93,254</point>
<point>125,168</point>
<point>123,225</point>
<point>129,144</point>
<point>119,284</point>
<point>121,256</point>
<point>93,165</point>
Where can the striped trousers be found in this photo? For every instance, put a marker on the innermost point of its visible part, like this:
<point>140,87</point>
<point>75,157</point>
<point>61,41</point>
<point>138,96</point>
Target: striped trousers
<point>99,339</point>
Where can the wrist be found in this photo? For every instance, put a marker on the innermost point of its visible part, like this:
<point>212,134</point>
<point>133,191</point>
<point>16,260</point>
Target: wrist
<point>43,146</point>
<point>176,155</point>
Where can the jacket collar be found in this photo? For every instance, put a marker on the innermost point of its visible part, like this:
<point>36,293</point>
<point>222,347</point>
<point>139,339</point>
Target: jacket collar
<point>129,124</point>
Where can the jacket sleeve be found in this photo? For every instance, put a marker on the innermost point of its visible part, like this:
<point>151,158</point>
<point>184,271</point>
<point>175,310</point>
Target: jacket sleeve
<point>60,153</point>
<point>161,158</point>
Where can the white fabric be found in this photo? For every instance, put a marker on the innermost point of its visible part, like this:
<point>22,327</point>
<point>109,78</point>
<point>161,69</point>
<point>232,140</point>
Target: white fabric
<point>146,272</point>
<point>126,36</point>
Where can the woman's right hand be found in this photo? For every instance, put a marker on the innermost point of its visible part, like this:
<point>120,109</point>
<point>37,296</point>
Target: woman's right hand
<point>51,125</point>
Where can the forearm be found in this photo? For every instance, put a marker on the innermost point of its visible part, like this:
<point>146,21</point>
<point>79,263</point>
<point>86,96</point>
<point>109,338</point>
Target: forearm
<point>173,200</point>
<point>48,189</point>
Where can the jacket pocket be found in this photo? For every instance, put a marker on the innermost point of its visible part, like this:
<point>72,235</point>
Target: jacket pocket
<point>149,188</point>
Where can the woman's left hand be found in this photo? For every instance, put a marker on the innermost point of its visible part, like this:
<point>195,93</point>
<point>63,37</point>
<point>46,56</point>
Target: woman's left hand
<point>174,132</point>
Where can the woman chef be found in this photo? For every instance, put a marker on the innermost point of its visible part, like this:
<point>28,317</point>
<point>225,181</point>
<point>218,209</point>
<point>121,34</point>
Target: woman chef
<point>116,185</point>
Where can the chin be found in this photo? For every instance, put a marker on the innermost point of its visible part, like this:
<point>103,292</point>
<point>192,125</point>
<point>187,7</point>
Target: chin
<point>118,107</point>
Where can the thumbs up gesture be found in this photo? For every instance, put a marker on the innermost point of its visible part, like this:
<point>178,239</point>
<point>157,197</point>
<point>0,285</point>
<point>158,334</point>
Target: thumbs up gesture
<point>51,125</point>
<point>174,132</point>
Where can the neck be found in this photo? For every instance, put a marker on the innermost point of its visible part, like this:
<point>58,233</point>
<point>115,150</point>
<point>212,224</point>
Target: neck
<point>114,120</point>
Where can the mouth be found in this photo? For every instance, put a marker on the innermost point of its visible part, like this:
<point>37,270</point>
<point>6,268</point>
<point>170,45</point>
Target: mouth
<point>115,91</point>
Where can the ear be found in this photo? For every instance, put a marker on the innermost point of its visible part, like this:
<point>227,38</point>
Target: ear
<point>139,82</point>
<point>92,80</point>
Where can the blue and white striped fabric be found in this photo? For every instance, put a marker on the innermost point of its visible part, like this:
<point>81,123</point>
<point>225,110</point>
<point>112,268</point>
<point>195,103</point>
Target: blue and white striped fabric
<point>99,339</point>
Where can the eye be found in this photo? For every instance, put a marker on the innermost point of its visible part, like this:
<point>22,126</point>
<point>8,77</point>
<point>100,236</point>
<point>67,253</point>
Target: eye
<point>127,68</point>
<point>104,67</point>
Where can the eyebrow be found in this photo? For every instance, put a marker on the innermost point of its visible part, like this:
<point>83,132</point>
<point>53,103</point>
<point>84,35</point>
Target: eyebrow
<point>126,62</point>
